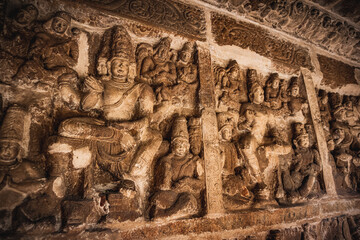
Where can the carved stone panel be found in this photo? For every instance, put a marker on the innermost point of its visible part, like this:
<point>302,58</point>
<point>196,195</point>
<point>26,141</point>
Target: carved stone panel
<point>171,15</point>
<point>228,31</point>
<point>336,73</point>
<point>304,20</point>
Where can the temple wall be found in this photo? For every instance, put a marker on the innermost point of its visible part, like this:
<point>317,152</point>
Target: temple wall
<point>168,119</point>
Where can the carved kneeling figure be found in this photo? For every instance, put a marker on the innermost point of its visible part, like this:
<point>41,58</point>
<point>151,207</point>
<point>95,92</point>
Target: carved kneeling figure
<point>180,179</point>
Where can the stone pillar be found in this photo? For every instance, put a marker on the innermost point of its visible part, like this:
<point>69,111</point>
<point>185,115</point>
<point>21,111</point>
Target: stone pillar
<point>210,133</point>
<point>319,131</point>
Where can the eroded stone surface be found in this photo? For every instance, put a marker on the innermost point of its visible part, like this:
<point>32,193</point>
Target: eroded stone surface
<point>171,15</point>
<point>336,73</point>
<point>228,31</point>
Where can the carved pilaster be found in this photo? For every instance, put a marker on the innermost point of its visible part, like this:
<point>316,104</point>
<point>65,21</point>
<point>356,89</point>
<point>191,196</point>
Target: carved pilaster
<point>213,166</point>
<point>319,131</point>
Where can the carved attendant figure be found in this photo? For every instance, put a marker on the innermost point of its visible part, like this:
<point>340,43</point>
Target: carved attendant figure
<point>158,69</point>
<point>235,177</point>
<point>18,178</point>
<point>299,180</point>
<point>258,126</point>
<point>180,178</point>
<point>273,91</point>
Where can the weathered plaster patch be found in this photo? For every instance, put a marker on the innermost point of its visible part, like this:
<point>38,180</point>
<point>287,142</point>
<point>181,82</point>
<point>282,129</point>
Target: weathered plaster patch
<point>83,61</point>
<point>60,148</point>
<point>59,187</point>
<point>81,157</point>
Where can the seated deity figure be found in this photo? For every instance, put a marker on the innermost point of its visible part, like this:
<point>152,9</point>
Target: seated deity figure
<point>300,177</point>
<point>179,179</point>
<point>123,144</point>
<point>235,177</point>
<point>51,57</point>
<point>274,91</point>
<point>19,178</point>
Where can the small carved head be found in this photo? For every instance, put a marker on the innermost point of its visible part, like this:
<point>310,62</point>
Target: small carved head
<point>225,125</point>
<point>301,139</point>
<point>102,66</point>
<point>180,137</point>
<point>186,52</point>
<point>274,81</point>
<point>233,70</point>
<point>61,22</point>
<point>27,14</point>
<point>162,51</point>
<point>9,151</point>
<point>294,87</point>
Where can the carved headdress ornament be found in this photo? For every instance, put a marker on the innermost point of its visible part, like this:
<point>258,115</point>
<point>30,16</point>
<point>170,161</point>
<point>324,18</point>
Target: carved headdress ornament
<point>121,44</point>
<point>233,64</point>
<point>180,130</point>
<point>225,120</point>
<point>294,82</point>
<point>166,42</point>
<point>12,128</point>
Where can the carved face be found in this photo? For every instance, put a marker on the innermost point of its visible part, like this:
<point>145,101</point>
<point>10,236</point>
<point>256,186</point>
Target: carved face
<point>303,141</point>
<point>324,99</point>
<point>339,134</point>
<point>180,147</point>
<point>295,91</point>
<point>258,96</point>
<point>226,133</point>
<point>120,68</point>
<point>59,25</point>
<point>101,67</point>
<point>249,115</point>
<point>9,150</point>
<point>162,53</point>
<point>185,56</point>
<point>27,15</point>
<point>234,73</point>
<point>275,83</point>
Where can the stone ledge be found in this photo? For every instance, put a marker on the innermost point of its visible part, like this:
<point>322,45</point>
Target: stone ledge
<point>213,227</point>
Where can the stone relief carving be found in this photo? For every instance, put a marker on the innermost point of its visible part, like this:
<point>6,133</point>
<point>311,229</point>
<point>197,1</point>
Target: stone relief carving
<point>180,178</point>
<point>301,174</point>
<point>19,178</point>
<point>111,146</point>
<point>167,14</point>
<point>301,19</point>
<point>227,31</point>
<point>341,125</point>
<point>172,74</point>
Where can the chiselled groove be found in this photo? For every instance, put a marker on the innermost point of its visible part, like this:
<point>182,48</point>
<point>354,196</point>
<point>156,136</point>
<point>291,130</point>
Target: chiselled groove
<point>230,32</point>
<point>171,15</point>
